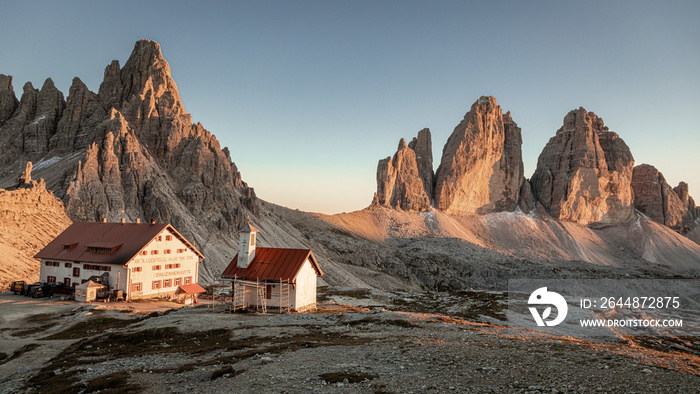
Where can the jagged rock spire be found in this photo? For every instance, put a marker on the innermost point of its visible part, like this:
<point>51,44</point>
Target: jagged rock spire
<point>481,169</point>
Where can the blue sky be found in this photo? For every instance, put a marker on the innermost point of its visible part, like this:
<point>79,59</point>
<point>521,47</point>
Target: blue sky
<point>309,95</point>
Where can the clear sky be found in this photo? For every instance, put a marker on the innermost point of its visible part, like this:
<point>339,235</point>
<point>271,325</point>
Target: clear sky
<point>309,95</point>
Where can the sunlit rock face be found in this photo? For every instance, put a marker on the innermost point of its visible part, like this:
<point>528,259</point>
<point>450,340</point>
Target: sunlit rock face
<point>405,181</point>
<point>481,169</point>
<point>584,172</point>
<point>655,198</point>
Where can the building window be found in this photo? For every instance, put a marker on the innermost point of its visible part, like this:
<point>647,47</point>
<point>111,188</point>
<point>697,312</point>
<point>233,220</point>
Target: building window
<point>154,252</point>
<point>66,282</point>
<point>144,252</point>
<point>68,265</point>
<point>160,238</point>
<point>83,281</point>
<point>167,283</point>
<point>168,237</point>
<point>178,281</point>
<point>48,264</point>
<point>137,287</point>
<point>56,264</point>
<point>177,265</point>
<point>182,250</point>
<point>156,268</point>
<point>136,269</point>
<point>51,279</point>
<point>76,271</point>
<point>77,293</point>
<point>155,285</point>
<point>252,239</point>
<point>166,251</point>
<point>188,280</point>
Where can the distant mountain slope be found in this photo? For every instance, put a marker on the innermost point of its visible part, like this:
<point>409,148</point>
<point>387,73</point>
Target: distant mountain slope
<point>30,217</point>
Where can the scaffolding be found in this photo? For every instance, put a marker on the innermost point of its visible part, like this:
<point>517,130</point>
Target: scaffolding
<point>264,295</point>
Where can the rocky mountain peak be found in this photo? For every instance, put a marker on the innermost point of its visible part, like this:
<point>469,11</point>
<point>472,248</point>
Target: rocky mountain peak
<point>481,169</point>
<point>402,181</point>
<point>584,172</point>
<point>8,100</point>
<point>423,147</point>
<point>131,146</point>
<point>654,197</point>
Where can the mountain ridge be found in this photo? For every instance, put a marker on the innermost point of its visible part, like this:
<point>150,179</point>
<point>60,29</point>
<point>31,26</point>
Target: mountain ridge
<point>130,150</point>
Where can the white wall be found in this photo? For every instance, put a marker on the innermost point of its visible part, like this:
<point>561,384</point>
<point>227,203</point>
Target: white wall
<point>61,272</point>
<point>188,266</point>
<point>305,293</point>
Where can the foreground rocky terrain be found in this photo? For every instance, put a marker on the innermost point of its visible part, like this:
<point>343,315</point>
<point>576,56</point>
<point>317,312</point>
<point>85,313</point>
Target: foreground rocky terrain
<point>55,346</point>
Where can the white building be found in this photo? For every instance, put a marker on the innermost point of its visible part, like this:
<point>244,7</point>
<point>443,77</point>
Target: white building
<point>278,278</point>
<point>143,260</point>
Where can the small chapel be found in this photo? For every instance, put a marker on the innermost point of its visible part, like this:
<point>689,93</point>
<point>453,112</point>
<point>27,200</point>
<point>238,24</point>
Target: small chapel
<point>272,279</point>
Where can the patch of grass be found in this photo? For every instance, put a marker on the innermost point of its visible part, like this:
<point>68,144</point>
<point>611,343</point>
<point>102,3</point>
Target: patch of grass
<point>152,341</point>
<point>119,345</point>
<point>351,377</point>
<point>275,345</point>
<point>49,382</point>
<point>89,327</point>
<point>387,322</point>
<point>114,383</point>
<point>227,370</point>
<point>185,368</point>
<point>24,349</point>
<point>41,318</point>
<point>325,293</point>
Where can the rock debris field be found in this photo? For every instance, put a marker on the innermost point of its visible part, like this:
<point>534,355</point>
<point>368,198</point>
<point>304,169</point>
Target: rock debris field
<point>57,346</point>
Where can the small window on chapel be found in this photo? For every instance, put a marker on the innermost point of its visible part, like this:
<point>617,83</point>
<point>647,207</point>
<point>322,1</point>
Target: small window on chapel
<point>252,239</point>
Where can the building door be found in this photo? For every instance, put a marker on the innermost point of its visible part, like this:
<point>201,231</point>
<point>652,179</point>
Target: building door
<point>268,292</point>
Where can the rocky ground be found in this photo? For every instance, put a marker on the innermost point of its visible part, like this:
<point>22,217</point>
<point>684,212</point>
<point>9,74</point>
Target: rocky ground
<point>57,346</point>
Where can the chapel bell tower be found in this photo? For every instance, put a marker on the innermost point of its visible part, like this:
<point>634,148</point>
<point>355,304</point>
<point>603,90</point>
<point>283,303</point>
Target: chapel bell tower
<point>246,245</point>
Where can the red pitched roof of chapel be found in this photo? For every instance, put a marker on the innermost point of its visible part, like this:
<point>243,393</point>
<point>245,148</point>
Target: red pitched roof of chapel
<point>273,264</point>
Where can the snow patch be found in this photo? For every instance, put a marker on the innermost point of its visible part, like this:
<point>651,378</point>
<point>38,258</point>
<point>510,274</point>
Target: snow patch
<point>36,121</point>
<point>45,163</point>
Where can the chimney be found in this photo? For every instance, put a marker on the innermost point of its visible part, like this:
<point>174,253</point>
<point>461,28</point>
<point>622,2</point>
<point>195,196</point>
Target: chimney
<point>123,220</point>
<point>104,220</point>
<point>138,220</point>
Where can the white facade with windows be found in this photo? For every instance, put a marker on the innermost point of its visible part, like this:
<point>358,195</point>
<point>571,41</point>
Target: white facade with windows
<point>142,260</point>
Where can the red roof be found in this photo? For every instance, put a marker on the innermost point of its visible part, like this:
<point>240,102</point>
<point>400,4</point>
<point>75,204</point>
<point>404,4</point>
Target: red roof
<point>124,239</point>
<point>273,264</point>
<point>192,288</point>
